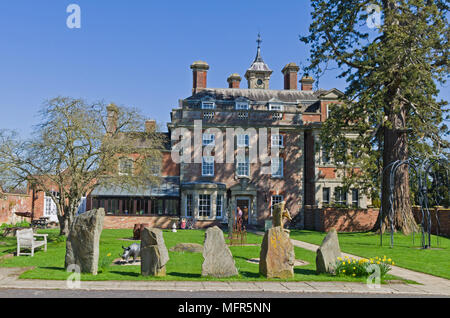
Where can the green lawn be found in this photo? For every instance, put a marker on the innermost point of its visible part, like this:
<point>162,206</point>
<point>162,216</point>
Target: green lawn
<point>182,266</point>
<point>404,253</point>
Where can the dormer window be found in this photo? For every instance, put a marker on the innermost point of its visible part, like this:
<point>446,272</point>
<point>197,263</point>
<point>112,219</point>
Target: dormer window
<point>208,105</point>
<point>276,107</point>
<point>241,105</point>
<point>125,167</point>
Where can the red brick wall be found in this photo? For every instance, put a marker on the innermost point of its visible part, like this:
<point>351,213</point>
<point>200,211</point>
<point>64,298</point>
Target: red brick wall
<point>327,173</point>
<point>11,203</point>
<point>444,219</point>
<point>169,167</point>
<point>343,220</point>
<point>311,118</point>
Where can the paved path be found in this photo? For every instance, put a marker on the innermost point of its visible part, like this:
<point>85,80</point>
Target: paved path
<point>9,280</point>
<point>430,285</point>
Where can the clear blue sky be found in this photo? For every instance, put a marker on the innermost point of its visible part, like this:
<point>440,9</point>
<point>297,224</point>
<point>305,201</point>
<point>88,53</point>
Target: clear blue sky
<point>138,52</point>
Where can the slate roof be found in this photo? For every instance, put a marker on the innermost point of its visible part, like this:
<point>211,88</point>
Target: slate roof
<point>258,95</point>
<point>169,187</point>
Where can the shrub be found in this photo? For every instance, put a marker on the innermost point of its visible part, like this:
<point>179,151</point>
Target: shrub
<point>360,267</point>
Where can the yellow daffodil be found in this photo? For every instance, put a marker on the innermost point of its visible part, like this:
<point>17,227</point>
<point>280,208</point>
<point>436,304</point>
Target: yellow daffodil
<point>353,275</point>
<point>109,254</point>
<point>343,270</point>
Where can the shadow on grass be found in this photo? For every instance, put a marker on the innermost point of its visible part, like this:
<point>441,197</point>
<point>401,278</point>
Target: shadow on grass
<point>250,274</point>
<point>53,268</point>
<point>186,275</point>
<point>133,274</point>
<point>304,271</point>
<point>241,257</point>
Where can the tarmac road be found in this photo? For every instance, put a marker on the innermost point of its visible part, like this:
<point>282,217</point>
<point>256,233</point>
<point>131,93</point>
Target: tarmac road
<point>37,293</point>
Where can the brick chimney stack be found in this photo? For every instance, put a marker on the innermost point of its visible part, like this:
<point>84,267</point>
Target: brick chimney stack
<point>234,81</point>
<point>150,126</point>
<point>112,116</point>
<point>290,76</point>
<point>199,70</point>
<point>307,83</point>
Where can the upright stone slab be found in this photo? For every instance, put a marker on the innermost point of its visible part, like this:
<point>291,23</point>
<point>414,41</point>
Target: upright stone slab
<point>327,253</point>
<point>154,254</point>
<point>82,246</point>
<point>277,255</point>
<point>218,260</point>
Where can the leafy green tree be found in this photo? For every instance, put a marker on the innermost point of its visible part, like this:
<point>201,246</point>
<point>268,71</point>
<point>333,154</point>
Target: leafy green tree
<point>76,147</point>
<point>390,104</point>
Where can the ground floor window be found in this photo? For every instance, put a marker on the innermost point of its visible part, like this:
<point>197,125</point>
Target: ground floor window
<point>355,198</point>
<point>340,196</point>
<point>326,196</point>
<point>204,205</point>
<point>137,206</point>
<point>275,200</point>
<point>219,205</point>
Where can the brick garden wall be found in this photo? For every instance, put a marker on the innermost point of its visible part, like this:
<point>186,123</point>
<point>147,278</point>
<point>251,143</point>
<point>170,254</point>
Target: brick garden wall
<point>162,222</point>
<point>11,203</point>
<point>444,219</point>
<point>343,220</point>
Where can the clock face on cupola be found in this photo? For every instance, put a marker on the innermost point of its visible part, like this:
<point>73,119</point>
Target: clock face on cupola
<point>258,75</point>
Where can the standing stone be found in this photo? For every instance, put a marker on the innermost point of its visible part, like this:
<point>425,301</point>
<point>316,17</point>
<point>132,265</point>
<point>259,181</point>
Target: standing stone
<point>154,254</point>
<point>218,260</point>
<point>82,246</point>
<point>328,253</point>
<point>277,255</point>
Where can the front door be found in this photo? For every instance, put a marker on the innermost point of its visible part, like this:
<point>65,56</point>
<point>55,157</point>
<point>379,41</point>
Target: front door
<point>244,205</point>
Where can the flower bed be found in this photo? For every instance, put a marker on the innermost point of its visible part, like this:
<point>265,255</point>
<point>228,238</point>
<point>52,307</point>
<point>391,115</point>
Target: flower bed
<point>362,267</point>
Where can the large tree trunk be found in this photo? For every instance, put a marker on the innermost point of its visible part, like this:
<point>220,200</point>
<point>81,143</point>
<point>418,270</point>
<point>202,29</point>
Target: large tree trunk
<point>65,220</point>
<point>396,148</point>
<point>63,225</point>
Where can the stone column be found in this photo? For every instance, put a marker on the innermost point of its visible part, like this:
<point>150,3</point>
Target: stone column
<point>213,206</point>
<point>255,204</point>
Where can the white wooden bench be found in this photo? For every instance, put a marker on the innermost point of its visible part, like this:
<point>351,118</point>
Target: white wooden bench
<point>26,239</point>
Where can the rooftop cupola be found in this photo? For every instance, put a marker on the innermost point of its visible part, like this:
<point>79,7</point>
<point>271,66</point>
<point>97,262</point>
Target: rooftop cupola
<point>258,75</point>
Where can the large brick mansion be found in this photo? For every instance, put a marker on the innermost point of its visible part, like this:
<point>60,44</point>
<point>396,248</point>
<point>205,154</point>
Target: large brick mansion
<point>302,175</point>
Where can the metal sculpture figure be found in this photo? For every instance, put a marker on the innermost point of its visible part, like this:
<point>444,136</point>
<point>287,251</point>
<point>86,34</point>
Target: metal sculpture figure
<point>239,234</point>
<point>423,172</point>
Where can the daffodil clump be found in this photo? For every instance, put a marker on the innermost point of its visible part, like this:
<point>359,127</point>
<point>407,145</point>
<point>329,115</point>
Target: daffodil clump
<point>105,263</point>
<point>361,267</point>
